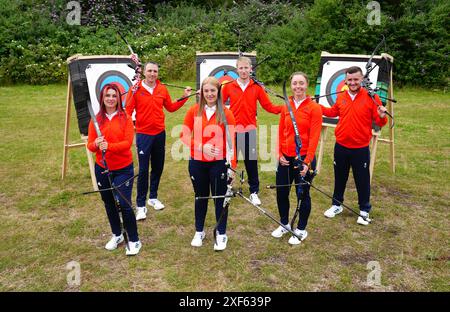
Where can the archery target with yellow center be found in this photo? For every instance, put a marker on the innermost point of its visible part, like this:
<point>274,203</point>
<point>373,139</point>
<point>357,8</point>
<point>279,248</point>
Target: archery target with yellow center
<point>225,74</point>
<point>334,85</point>
<point>98,75</point>
<point>221,65</point>
<point>333,79</point>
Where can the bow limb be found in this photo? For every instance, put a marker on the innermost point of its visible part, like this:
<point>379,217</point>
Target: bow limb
<point>137,68</point>
<point>366,83</point>
<point>115,191</point>
<point>298,140</point>
<point>229,156</point>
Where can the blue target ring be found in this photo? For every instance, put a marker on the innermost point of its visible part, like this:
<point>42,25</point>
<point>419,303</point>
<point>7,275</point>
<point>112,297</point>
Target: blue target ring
<point>335,84</point>
<point>225,73</point>
<point>222,73</point>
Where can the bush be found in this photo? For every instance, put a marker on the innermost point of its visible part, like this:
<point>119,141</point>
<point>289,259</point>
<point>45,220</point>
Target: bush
<point>292,33</point>
<point>418,40</point>
<point>328,26</point>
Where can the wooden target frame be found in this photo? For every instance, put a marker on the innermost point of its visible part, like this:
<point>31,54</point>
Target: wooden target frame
<point>84,116</point>
<point>376,133</point>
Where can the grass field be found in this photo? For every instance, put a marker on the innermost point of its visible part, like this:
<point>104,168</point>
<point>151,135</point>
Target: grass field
<point>45,224</point>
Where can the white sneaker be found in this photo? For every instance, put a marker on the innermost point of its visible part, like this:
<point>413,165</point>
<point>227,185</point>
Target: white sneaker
<point>141,213</point>
<point>255,199</point>
<point>155,203</point>
<point>361,220</point>
<point>333,211</point>
<point>280,231</point>
<point>197,241</point>
<point>221,242</point>
<point>294,239</point>
<point>114,241</point>
<point>133,248</point>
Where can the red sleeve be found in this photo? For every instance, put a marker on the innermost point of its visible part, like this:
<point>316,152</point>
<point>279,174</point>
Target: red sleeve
<point>127,141</point>
<point>231,128</point>
<point>130,103</point>
<point>225,94</point>
<point>332,111</point>
<point>314,133</point>
<point>266,103</point>
<point>280,133</point>
<point>378,120</point>
<point>172,106</point>
<point>188,128</point>
<point>92,135</point>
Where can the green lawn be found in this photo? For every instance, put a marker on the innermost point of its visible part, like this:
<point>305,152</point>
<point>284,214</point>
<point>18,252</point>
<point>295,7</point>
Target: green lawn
<point>45,224</point>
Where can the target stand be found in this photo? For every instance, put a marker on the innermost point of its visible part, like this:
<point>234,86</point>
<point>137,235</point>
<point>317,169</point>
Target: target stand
<point>330,80</point>
<point>87,75</point>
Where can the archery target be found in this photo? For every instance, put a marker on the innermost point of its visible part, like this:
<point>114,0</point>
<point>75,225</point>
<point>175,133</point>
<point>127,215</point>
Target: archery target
<point>223,70</point>
<point>335,84</point>
<point>98,75</point>
<point>221,65</point>
<point>225,73</point>
<point>333,79</point>
<point>116,78</point>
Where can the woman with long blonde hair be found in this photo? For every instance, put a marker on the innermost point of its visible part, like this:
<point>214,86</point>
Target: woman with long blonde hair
<point>204,131</point>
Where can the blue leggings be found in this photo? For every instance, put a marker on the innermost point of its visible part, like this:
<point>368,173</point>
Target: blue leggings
<point>359,160</point>
<point>286,175</point>
<point>118,177</point>
<point>150,149</point>
<point>206,176</point>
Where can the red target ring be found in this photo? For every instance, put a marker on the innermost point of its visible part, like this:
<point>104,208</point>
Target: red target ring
<point>225,74</point>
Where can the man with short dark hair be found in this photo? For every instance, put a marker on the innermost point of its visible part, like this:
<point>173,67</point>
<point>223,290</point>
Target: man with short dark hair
<point>148,102</point>
<point>356,110</point>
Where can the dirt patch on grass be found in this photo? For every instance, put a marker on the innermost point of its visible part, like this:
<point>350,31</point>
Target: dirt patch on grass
<point>439,258</point>
<point>256,264</point>
<point>392,229</point>
<point>351,258</point>
<point>392,192</point>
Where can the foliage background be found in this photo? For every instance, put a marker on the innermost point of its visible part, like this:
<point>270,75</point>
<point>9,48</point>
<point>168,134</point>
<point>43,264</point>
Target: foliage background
<point>46,223</point>
<point>35,39</point>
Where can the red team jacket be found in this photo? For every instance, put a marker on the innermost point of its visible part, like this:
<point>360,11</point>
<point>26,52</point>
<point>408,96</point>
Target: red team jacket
<point>149,108</point>
<point>354,128</point>
<point>119,134</point>
<point>243,104</point>
<point>198,131</point>
<point>309,122</point>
